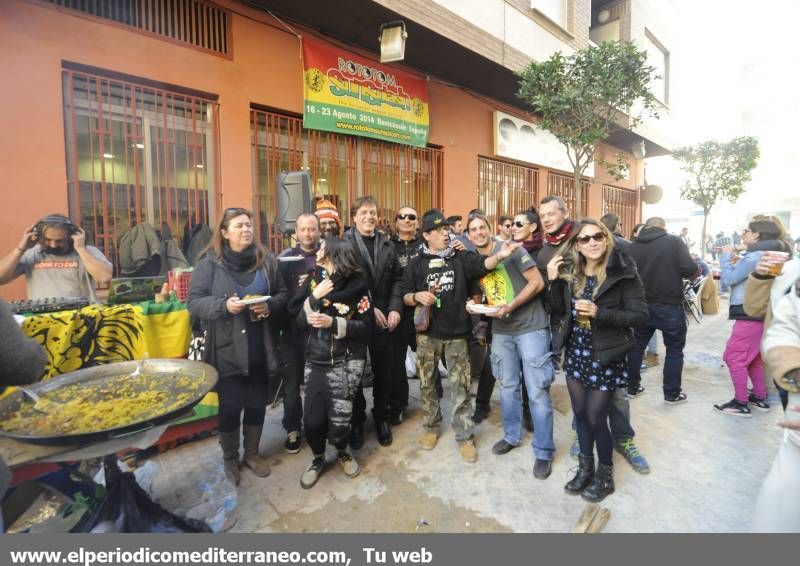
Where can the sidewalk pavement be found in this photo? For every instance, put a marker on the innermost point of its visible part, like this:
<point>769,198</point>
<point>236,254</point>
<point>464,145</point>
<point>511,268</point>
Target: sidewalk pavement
<point>706,469</point>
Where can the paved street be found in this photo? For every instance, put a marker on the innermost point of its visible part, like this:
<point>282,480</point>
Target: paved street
<point>706,470</point>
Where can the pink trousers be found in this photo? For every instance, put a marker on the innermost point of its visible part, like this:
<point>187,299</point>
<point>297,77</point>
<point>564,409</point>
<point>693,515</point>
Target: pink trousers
<point>743,356</point>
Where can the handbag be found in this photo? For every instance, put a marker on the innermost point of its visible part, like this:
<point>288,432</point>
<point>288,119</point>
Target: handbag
<point>422,317</point>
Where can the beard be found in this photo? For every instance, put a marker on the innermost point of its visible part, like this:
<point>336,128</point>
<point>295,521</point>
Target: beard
<point>59,251</point>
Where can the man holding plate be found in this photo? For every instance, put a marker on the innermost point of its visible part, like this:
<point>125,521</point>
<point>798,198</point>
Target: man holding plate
<point>520,337</point>
<point>438,280</point>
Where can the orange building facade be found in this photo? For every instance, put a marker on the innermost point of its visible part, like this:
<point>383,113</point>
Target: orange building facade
<point>117,125</point>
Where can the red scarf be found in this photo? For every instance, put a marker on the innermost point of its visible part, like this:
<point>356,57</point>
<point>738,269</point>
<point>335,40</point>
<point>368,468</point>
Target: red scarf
<point>557,238</point>
<point>534,244</point>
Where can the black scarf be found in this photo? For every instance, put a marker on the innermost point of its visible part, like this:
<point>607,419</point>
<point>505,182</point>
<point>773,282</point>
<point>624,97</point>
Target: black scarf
<point>244,260</point>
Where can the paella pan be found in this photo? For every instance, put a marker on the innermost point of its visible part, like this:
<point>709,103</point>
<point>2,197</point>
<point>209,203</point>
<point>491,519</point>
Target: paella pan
<point>105,402</point>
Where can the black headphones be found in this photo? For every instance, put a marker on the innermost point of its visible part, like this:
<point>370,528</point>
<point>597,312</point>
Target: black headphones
<point>55,220</point>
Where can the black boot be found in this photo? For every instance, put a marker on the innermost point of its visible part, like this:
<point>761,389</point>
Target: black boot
<point>229,441</point>
<point>384,433</point>
<point>601,486</point>
<point>583,477</point>
<point>356,436</point>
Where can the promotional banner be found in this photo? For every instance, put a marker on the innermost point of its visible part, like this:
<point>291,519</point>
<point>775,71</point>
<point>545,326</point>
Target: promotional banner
<point>350,94</point>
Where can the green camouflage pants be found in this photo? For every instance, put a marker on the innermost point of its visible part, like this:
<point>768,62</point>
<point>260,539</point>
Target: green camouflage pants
<point>456,357</point>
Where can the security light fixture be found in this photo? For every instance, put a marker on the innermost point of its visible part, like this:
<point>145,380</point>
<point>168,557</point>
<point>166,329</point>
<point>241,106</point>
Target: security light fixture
<point>638,149</point>
<point>393,41</point>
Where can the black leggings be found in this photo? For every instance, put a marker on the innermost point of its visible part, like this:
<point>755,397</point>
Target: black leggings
<point>239,393</point>
<point>591,408</point>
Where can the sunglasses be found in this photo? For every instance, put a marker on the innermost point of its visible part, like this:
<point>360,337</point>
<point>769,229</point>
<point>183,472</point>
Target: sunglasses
<point>519,224</point>
<point>406,216</point>
<point>597,237</point>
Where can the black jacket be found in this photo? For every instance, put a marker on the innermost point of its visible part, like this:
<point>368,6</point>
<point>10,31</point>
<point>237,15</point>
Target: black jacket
<point>455,275</point>
<point>384,279</point>
<point>620,308</point>
<point>226,346</point>
<point>350,306</point>
<point>663,261</point>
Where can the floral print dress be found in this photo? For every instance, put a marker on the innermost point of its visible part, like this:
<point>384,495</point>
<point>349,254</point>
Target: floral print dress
<point>579,363</point>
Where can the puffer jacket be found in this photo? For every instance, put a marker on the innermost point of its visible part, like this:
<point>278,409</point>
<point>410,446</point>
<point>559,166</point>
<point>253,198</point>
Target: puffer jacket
<point>621,306</point>
<point>226,346</point>
<point>350,306</point>
<point>735,276</point>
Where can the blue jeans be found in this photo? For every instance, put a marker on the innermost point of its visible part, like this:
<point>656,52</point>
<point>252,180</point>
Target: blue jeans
<point>533,349</point>
<point>671,321</point>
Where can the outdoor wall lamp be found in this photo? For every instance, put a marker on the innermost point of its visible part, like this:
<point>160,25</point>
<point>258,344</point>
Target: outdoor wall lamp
<point>393,41</point>
<point>638,150</point>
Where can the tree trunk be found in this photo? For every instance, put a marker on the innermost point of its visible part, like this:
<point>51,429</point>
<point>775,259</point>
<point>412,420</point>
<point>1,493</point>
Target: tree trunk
<point>578,212</point>
<point>703,236</point>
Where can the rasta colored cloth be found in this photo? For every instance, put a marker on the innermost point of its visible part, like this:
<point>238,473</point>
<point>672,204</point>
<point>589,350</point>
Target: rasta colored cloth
<point>100,334</point>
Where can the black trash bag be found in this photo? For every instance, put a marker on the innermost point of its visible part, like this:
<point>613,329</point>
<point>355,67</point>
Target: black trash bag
<point>129,508</point>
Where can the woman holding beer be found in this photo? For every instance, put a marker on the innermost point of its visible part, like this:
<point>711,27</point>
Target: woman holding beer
<point>742,354</point>
<point>596,297</point>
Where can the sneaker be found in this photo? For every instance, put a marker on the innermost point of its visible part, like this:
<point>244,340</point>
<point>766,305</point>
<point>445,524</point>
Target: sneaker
<point>312,473</point>
<point>428,440</point>
<point>733,407</point>
<point>679,398</point>
<point>629,451</point>
<point>542,469</point>
<point>349,465</point>
<point>575,449</point>
<point>643,367</point>
<point>756,403</point>
<point>468,451</point>
<point>634,392</point>
<point>502,447</point>
<point>481,412</point>
<point>650,360</point>
<point>292,444</point>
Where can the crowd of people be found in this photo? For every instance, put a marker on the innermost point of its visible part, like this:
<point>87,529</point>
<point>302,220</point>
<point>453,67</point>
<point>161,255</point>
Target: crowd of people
<point>536,294</point>
<point>513,303</point>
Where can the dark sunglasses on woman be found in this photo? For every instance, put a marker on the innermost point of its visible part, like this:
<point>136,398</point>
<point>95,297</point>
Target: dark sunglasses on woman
<point>406,216</point>
<point>597,237</point>
<point>519,224</point>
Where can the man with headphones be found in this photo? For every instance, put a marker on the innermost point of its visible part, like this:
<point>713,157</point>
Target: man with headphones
<point>56,261</point>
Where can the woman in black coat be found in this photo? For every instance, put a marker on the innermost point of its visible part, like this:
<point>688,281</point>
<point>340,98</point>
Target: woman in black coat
<point>240,342</point>
<point>335,305</point>
<point>596,298</point>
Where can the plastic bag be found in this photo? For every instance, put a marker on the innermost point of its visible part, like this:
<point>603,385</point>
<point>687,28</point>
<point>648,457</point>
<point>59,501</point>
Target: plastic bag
<point>411,363</point>
<point>422,317</point>
<point>129,509</point>
<point>218,501</point>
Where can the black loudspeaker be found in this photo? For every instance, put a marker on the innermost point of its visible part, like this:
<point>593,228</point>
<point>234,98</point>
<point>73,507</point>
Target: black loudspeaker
<point>294,199</point>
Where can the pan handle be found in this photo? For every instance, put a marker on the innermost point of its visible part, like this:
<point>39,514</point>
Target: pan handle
<point>145,428</point>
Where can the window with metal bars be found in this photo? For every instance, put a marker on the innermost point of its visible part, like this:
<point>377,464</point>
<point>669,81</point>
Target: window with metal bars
<point>198,23</point>
<point>137,154</point>
<point>625,204</point>
<point>342,168</point>
<point>564,186</point>
<point>505,188</point>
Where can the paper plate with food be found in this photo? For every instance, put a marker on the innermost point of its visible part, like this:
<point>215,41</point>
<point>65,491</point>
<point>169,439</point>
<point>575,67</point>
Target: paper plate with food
<point>478,308</point>
<point>253,299</point>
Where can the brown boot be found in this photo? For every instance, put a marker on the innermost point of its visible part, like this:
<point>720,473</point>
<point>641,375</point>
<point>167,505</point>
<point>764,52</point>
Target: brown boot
<point>252,438</point>
<point>229,441</point>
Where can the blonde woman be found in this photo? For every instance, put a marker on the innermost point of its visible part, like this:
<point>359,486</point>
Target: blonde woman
<point>596,299</point>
